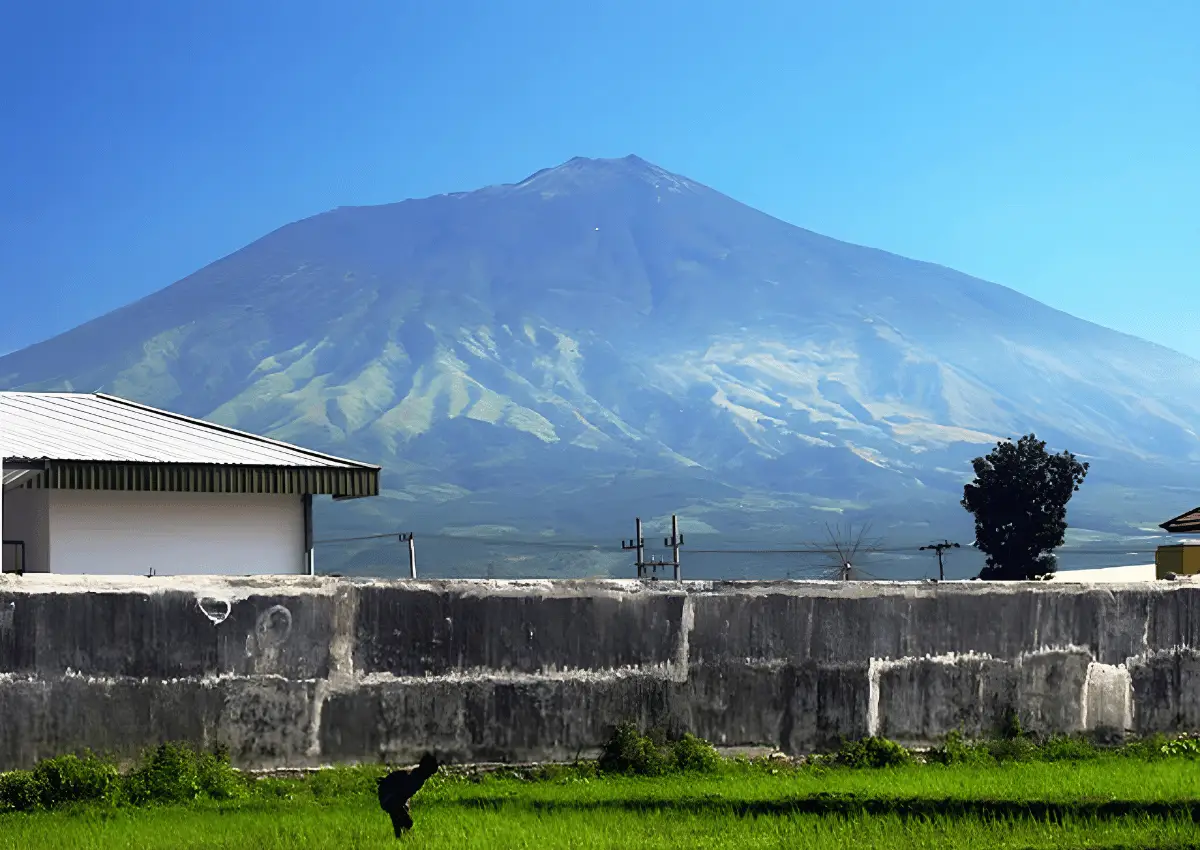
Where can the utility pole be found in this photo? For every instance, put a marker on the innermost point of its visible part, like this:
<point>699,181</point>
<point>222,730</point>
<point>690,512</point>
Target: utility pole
<point>407,537</point>
<point>940,548</point>
<point>674,542</point>
<point>638,544</point>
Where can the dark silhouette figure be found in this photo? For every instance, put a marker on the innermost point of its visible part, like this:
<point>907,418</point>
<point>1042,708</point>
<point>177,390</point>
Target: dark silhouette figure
<point>399,786</point>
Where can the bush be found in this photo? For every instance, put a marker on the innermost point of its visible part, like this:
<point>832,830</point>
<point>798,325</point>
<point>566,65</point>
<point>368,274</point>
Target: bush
<point>1182,747</point>
<point>694,754</point>
<point>1067,748</point>
<point>1011,749</point>
<point>1023,748</point>
<point>955,750</point>
<point>1150,748</point>
<point>218,778</point>
<point>175,773</point>
<point>70,779</point>
<point>1010,728</point>
<point>19,790</point>
<point>167,774</point>
<point>61,781</point>
<point>872,752</point>
<point>630,752</point>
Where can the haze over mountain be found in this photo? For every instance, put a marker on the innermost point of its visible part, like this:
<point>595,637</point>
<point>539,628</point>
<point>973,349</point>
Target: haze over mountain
<point>547,359</point>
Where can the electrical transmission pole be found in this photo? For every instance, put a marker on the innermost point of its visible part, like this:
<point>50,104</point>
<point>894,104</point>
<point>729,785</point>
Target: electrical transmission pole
<point>940,548</point>
<point>638,544</point>
<point>674,542</point>
<point>407,537</point>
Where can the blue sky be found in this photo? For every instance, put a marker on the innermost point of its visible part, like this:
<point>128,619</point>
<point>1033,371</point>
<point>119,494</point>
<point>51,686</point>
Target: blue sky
<point>1049,146</point>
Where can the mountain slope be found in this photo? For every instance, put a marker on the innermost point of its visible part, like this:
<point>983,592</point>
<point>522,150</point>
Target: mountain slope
<point>605,337</point>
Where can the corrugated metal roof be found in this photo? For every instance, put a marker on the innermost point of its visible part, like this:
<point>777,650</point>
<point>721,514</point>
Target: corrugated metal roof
<point>97,427</point>
<point>1188,523</point>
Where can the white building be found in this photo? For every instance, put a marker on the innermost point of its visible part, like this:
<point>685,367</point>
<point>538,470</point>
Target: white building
<point>94,484</point>
<point>1107,575</point>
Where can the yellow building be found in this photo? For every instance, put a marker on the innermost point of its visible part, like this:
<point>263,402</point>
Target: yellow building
<point>1182,559</point>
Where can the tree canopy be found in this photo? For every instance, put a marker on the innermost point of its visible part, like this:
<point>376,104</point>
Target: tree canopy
<point>1019,501</point>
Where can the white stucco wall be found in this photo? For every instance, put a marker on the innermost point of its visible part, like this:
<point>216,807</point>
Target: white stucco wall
<point>27,518</point>
<point>109,533</point>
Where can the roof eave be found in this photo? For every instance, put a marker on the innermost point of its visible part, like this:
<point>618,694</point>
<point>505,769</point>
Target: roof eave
<point>1187,522</point>
<point>339,482</point>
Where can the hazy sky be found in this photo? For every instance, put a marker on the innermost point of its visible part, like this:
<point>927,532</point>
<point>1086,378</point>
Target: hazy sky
<point>1053,147</point>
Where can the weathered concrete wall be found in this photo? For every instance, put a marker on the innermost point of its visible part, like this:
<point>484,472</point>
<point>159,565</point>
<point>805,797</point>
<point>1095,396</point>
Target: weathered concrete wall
<point>306,671</point>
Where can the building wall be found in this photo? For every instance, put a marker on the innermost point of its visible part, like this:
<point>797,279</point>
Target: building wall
<point>303,671</point>
<point>27,518</point>
<point>1107,575</point>
<point>113,533</point>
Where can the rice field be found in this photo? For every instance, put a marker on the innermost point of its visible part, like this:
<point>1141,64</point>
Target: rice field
<point>1106,802</point>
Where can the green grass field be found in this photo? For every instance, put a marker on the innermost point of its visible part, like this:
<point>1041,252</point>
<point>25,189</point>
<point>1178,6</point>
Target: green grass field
<point>1108,801</point>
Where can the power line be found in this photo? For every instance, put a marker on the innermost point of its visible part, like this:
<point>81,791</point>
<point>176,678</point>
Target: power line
<point>904,550</point>
<point>355,539</point>
<point>861,571</point>
<point>549,544</point>
<point>894,551</point>
<point>607,547</point>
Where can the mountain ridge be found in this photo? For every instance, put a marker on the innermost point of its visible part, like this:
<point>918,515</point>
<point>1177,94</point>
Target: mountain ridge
<point>600,317</point>
<point>640,162</point>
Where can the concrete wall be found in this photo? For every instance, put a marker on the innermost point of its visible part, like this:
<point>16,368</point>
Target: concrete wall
<point>306,671</point>
<point>114,533</point>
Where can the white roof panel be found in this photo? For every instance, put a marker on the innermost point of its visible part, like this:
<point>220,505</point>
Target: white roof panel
<point>102,428</point>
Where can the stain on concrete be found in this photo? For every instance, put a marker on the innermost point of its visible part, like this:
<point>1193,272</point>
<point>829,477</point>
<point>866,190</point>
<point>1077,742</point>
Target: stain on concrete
<point>217,610</point>
<point>918,700</point>
<point>1166,691</point>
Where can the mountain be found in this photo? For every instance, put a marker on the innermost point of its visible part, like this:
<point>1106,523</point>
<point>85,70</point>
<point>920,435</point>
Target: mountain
<point>544,360</point>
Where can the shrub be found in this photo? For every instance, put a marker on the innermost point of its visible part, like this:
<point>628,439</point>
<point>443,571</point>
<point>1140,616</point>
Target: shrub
<point>694,754</point>
<point>586,770</point>
<point>630,752</point>
<point>175,773</point>
<point>167,774</point>
<point>1182,747</point>
<point>70,779</point>
<point>1149,747</point>
<point>1011,749</point>
<point>1067,748</point>
<point>872,752</point>
<point>955,750</point>
<point>218,778</point>
<point>19,790</point>
<point>1010,728</point>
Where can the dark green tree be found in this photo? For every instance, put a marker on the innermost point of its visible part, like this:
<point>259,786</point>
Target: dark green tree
<point>1019,501</point>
